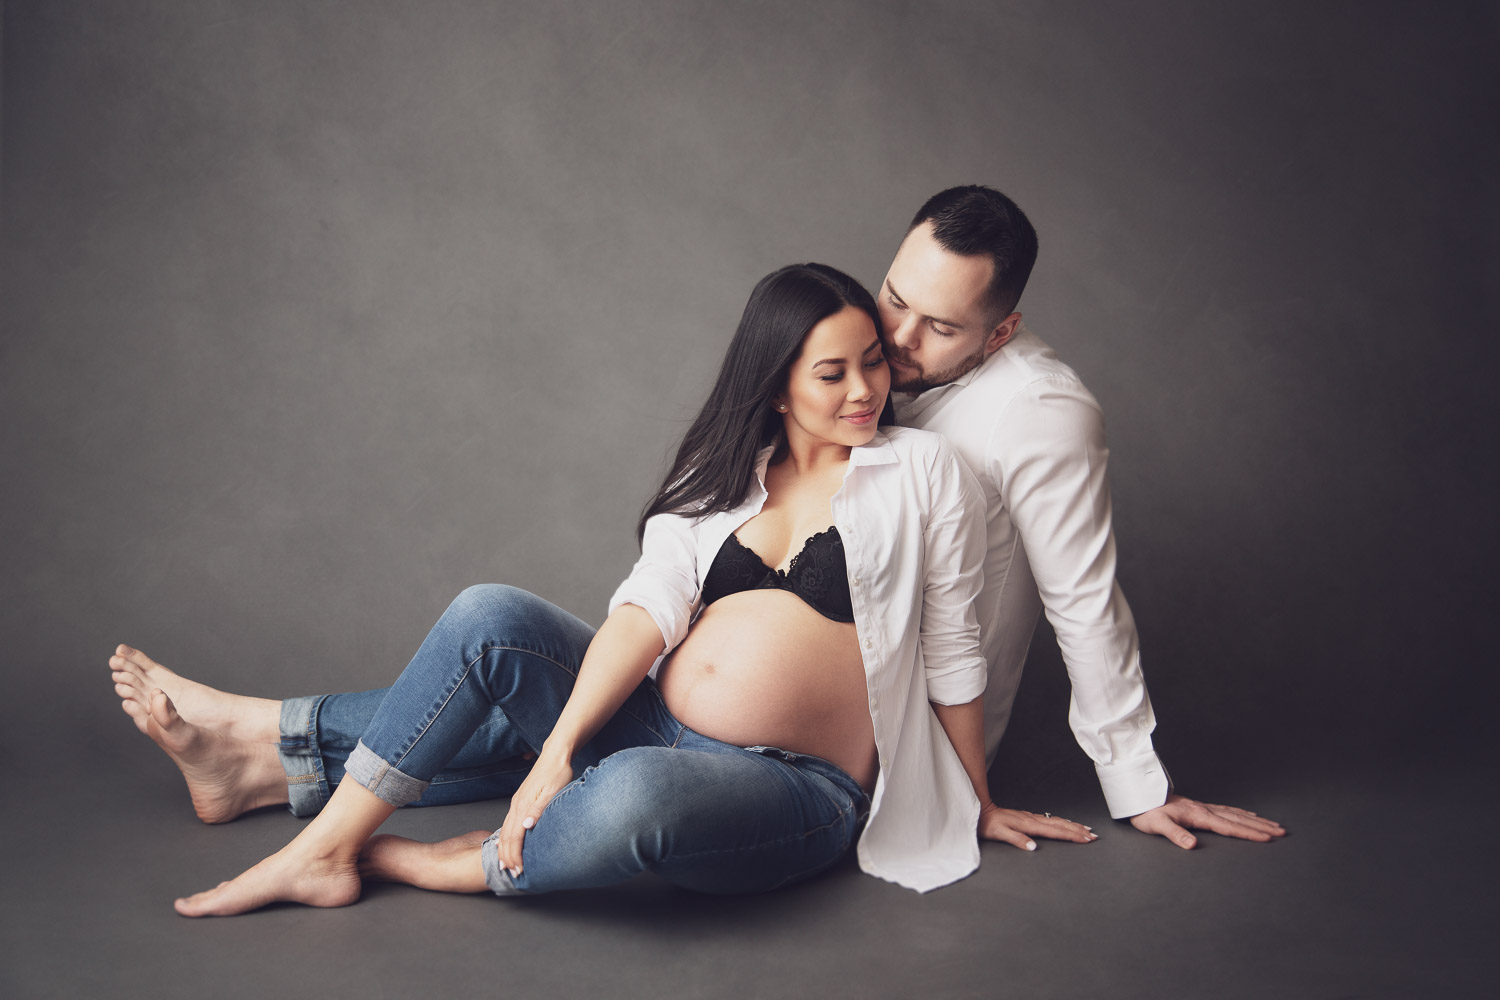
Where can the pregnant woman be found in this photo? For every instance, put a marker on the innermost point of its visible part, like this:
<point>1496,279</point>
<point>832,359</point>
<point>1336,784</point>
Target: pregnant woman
<point>805,593</point>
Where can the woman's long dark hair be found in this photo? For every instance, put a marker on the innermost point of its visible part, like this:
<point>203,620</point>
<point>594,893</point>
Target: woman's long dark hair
<point>715,464</point>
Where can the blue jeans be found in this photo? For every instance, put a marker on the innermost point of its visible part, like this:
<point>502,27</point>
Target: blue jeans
<point>488,684</point>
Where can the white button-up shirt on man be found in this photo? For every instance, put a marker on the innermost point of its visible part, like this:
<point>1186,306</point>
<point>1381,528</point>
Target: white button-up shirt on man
<point>909,516</point>
<point>1034,436</point>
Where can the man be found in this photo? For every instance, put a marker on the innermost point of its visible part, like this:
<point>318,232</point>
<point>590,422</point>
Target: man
<point>963,365</point>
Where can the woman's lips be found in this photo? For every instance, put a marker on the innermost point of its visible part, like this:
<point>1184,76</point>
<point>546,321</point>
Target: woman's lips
<point>861,418</point>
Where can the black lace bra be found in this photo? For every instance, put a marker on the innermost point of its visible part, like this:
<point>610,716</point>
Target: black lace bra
<point>817,574</point>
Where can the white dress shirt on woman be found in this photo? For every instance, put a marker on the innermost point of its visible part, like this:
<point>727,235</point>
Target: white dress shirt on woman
<point>1034,435</point>
<point>909,516</point>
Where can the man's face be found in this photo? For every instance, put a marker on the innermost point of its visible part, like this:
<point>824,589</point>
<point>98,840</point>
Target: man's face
<point>934,321</point>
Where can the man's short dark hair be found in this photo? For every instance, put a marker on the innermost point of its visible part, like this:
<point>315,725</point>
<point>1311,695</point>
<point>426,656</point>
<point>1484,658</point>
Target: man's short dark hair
<point>973,220</point>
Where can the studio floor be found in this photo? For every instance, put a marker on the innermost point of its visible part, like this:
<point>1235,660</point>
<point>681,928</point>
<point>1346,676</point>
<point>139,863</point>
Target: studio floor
<point>1373,894</point>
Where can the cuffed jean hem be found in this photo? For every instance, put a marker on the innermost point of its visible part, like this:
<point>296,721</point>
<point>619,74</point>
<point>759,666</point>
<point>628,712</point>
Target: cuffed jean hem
<point>377,774</point>
<point>301,759</point>
<point>497,878</point>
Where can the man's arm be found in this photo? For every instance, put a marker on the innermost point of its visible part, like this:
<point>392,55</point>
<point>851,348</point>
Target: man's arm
<point>1052,456</point>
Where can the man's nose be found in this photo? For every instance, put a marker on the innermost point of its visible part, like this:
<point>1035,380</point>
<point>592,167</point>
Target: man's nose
<point>905,334</point>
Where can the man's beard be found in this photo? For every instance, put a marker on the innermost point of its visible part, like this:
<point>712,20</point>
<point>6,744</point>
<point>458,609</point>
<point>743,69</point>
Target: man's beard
<point>921,380</point>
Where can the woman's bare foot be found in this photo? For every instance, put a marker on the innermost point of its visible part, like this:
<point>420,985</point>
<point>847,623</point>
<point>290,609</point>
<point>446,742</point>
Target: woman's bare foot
<point>452,865</point>
<point>225,777</point>
<point>294,874</point>
<point>136,675</point>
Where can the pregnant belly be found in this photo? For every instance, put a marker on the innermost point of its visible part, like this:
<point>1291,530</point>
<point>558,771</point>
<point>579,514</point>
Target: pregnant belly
<point>762,668</point>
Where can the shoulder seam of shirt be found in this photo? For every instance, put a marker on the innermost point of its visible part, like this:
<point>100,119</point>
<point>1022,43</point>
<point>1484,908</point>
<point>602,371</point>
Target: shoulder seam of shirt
<point>998,421</point>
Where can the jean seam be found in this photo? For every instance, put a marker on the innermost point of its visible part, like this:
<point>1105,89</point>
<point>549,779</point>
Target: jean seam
<point>468,668</point>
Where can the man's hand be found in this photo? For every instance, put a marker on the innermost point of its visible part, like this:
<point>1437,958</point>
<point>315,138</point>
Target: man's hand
<point>1179,814</point>
<point>1016,826</point>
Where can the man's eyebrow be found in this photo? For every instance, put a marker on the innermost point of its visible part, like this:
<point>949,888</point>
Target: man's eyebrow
<point>839,361</point>
<point>936,319</point>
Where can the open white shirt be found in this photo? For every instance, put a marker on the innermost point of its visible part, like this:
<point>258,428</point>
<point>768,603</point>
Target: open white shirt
<point>909,514</point>
<point>1034,435</point>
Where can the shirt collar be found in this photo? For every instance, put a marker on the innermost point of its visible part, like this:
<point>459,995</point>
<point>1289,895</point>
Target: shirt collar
<point>878,451</point>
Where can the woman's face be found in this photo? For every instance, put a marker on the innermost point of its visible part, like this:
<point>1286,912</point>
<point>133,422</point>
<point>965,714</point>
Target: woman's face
<point>837,384</point>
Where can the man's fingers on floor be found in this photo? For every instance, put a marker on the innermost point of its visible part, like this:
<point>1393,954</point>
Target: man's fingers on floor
<point>1268,827</point>
<point>1229,828</point>
<point>1163,827</point>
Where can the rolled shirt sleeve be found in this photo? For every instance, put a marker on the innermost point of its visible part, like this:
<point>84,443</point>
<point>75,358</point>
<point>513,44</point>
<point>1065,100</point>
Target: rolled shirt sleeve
<point>954,550</point>
<point>1053,458</point>
<point>664,581</point>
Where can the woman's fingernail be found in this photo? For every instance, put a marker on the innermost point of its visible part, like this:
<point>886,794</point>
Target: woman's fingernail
<point>1031,845</point>
<point>528,823</point>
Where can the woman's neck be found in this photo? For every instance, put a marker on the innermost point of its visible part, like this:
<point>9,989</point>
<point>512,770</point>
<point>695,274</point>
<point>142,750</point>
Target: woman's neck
<point>805,455</point>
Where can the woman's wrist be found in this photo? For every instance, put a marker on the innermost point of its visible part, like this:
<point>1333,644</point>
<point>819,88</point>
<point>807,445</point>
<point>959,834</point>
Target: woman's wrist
<point>556,750</point>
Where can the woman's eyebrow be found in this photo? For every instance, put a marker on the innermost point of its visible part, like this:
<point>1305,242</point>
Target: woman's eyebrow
<point>839,361</point>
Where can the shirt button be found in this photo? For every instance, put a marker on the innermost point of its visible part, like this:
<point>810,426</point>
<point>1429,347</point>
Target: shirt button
<point>856,581</point>
<point>868,644</point>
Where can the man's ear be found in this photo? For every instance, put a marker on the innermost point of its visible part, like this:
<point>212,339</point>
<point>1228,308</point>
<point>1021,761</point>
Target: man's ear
<point>1005,330</point>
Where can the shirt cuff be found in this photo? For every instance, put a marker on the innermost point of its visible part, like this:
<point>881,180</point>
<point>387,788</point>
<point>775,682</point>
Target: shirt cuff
<point>667,615</point>
<point>1131,787</point>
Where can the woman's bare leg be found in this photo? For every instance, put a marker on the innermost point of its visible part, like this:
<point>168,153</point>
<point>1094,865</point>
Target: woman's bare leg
<point>318,868</point>
<point>225,777</point>
<point>452,865</point>
<point>136,675</point>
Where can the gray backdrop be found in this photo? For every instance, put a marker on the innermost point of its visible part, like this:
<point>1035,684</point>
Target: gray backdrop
<point>317,312</point>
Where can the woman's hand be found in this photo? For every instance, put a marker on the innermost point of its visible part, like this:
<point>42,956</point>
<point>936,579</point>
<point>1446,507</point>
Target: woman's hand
<point>1018,827</point>
<point>548,776</point>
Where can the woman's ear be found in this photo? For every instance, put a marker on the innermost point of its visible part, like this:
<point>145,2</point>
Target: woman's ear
<point>779,402</point>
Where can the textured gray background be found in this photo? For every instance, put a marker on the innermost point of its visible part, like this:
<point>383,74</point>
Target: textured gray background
<point>315,313</point>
